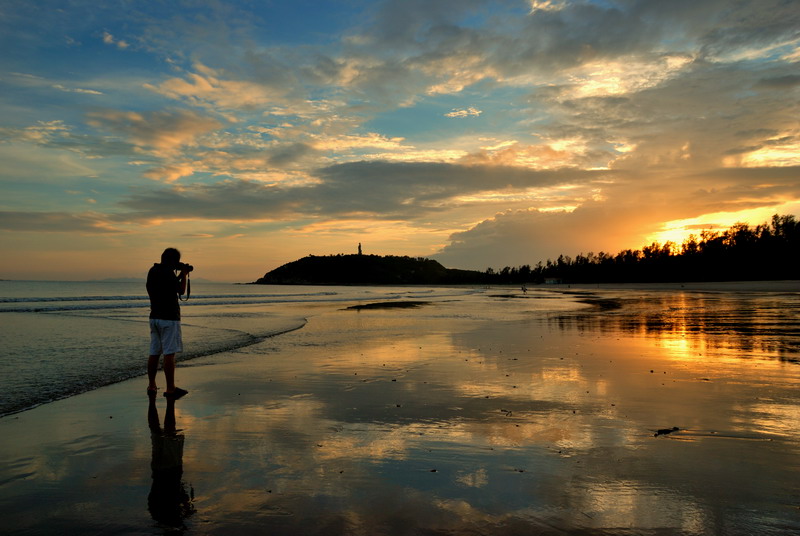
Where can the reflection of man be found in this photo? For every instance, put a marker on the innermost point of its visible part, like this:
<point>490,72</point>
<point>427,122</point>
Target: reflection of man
<point>164,287</point>
<point>168,502</point>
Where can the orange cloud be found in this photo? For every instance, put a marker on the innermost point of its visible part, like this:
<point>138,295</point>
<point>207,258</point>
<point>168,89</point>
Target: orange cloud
<point>170,173</point>
<point>163,133</point>
<point>516,154</point>
<point>207,87</point>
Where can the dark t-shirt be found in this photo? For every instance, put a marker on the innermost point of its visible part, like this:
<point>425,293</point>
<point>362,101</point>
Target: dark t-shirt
<point>163,287</point>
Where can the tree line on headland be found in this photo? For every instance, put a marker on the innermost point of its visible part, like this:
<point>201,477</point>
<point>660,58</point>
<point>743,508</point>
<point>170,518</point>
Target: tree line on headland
<point>368,270</point>
<point>769,251</point>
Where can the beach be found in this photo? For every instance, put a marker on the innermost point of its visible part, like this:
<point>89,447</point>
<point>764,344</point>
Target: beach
<point>561,410</point>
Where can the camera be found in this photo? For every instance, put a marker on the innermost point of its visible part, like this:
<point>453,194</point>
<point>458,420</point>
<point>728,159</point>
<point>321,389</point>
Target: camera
<point>185,267</point>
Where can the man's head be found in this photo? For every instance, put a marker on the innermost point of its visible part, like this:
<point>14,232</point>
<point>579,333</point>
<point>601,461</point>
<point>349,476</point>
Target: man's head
<point>171,257</point>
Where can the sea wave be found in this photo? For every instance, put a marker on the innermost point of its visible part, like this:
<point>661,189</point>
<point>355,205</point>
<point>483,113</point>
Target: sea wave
<point>66,377</point>
<point>88,303</point>
<point>144,297</point>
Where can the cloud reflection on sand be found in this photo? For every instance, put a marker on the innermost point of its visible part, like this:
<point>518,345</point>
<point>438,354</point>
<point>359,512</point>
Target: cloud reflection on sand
<point>538,422</point>
<point>484,416</point>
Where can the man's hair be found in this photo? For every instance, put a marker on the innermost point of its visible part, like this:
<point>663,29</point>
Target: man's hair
<point>170,256</point>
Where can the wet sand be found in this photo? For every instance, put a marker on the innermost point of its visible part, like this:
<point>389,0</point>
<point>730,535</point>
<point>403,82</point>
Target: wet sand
<point>470,417</point>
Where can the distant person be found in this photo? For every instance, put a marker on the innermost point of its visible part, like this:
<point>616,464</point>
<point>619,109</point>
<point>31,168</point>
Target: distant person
<point>164,287</point>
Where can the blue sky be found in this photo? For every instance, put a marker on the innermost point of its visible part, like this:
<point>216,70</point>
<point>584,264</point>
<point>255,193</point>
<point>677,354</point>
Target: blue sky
<point>248,134</point>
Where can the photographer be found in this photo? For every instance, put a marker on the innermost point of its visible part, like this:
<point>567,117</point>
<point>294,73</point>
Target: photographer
<point>164,287</point>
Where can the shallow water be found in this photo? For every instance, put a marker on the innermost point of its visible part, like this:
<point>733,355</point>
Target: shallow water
<point>58,339</point>
<point>470,415</point>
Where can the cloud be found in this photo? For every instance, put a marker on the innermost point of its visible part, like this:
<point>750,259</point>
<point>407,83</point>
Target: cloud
<point>402,23</point>
<point>44,130</point>
<point>162,133</point>
<point>370,140</point>
<point>244,201</point>
<point>522,237</point>
<point>170,173</point>
<point>696,119</point>
<point>582,113</point>
<point>622,76</point>
<point>547,5</point>
<point>55,222</point>
<point>208,88</point>
<point>409,189</point>
<point>383,190</point>
<point>411,48</point>
<point>29,159</point>
<point>788,81</point>
<point>77,90</point>
<point>33,81</point>
<point>110,40</point>
<point>602,200</point>
<point>628,211</point>
<point>555,155</point>
<point>464,112</point>
<point>61,136</point>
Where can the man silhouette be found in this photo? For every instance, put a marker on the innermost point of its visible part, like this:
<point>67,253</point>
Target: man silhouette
<point>164,287</point>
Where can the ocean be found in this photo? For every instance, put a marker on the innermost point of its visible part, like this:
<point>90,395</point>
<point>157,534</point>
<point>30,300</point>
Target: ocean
<point>59,339</point>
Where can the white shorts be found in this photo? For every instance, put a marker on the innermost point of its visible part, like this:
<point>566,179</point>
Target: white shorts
<point>165,336</point>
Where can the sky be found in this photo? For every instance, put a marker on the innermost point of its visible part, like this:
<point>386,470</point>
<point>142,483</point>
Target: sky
<point>478,133</point>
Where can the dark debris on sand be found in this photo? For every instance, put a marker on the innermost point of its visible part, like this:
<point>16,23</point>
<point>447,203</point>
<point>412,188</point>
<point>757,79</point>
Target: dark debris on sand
<point>388,305</point>
<point>665,431</point>
<point>604,304</point>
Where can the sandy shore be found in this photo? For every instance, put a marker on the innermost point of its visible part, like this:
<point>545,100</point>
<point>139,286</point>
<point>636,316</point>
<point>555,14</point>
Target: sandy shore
<point>481,417</point>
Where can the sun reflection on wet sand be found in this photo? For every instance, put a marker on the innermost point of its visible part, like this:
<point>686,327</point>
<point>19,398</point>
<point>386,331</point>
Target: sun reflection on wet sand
<point>759,324</point>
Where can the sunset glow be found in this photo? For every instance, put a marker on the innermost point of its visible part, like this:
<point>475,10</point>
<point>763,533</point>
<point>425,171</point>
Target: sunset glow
<point>475,133</point>
<point>679,231</point>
